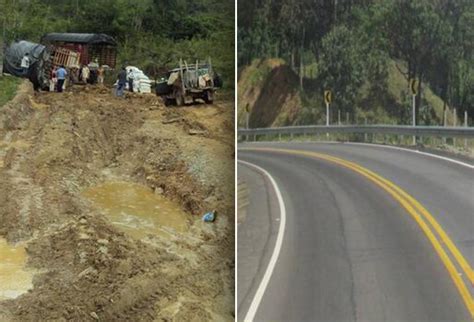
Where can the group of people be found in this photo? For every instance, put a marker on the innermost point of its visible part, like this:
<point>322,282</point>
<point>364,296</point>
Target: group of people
<point>84,74</point>
<point>92,74</point>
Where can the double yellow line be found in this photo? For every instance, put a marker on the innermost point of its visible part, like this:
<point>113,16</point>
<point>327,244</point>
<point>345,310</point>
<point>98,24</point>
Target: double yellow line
<point>419,214</point>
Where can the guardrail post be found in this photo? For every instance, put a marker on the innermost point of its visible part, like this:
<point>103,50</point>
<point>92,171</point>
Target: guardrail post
<point>338,117</point>
<point>347,118</point>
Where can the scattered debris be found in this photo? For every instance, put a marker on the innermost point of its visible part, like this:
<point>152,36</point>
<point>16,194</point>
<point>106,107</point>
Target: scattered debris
<point>173,120</point>
<point>196,132</point>
<point>209,216</point>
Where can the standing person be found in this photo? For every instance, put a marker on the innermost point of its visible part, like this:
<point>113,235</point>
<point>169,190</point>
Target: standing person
<point>85,74</point>
<point>75,75</point>
<point>25,64</point>
<point>130,80</point>
<point>53,81</point>
<point>122,80</point>
<point>61,74</point>
<point>100,75</point>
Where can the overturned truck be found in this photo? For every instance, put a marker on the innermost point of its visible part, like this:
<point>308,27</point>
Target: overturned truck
<point>69,49</point>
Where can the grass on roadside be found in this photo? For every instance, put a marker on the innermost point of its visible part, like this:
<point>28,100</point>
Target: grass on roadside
<point>8,88</point>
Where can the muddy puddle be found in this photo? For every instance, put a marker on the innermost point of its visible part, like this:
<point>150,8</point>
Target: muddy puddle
<point>136,210</point>
<point>14,278</point>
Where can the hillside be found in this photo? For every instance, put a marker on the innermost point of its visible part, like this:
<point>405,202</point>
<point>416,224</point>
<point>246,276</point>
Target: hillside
<point>362,52</point>
<point>271,90</point>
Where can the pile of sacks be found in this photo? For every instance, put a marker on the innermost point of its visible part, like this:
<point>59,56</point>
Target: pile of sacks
<point>141,82</point>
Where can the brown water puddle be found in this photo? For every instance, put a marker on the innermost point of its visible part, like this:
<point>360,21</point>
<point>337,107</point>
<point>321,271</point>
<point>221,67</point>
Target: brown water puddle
<point>14,279</point>
<point>136,210</point>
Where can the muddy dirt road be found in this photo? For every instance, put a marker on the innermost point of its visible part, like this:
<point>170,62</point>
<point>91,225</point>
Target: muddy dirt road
<point>56,147</point>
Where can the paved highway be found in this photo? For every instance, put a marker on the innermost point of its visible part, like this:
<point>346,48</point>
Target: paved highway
<point>343,232</point>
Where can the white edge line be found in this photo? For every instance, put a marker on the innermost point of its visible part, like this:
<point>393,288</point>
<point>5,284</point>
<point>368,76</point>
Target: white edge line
<point>467,165</point>
<point>276,251</point>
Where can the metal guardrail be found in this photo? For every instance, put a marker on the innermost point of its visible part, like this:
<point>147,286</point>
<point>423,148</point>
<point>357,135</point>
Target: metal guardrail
<point>421,131</point>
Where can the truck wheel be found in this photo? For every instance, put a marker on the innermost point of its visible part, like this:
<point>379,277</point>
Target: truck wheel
<point>179,99</point>
<point>208,97</point>
<point>167,101</point>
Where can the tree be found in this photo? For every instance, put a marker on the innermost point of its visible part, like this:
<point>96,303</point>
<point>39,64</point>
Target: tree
<point>414,30</point>
<point>341,67</point>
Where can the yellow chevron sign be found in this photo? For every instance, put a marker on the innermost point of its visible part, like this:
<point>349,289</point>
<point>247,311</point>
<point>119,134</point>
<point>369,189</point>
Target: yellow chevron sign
<point>327,96</point>
<point>414,86</point>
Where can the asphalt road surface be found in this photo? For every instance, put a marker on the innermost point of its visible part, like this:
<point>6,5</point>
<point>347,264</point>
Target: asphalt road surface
<point>350,250</point>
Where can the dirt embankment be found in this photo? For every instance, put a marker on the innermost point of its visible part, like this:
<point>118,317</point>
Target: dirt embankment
<point>270,90</point>
<point>56,145</point>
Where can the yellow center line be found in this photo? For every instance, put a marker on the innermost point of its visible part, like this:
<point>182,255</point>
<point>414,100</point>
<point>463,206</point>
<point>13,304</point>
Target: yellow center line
<point>409,204</point>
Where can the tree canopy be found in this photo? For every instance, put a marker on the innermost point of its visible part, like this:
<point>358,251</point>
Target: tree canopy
<point>431,41</point>
<point>151,33</point>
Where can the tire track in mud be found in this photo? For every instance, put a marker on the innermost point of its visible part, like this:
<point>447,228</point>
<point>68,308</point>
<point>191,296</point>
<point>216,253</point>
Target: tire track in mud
<point>89,269</point>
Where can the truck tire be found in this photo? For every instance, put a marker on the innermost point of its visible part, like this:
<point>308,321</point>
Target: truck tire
<point>179,99</point>
<point>208,97</point>
<point>167,101</point>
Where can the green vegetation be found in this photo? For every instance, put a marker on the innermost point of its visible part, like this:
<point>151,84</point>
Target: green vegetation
<point>152,34</point>
<point>8,87</point>
<point>367,52</point>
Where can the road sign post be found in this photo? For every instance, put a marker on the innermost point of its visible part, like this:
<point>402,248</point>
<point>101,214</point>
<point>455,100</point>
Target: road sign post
<point>327,99</point>
<point>413,113</point>
<point>455,123</point>
<point>445,123</point>
<point>465,125</point>
<point>327,114</point>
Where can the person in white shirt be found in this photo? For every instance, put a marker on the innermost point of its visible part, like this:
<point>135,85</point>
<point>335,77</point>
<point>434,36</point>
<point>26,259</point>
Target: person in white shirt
<point>25,64</point>
<point>85,74</point>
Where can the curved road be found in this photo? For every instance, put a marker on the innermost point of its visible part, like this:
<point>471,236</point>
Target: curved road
<point>352,251</point>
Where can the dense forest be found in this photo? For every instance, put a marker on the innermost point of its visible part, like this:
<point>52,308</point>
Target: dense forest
<point>151,33</point>
<point>351,47</point>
